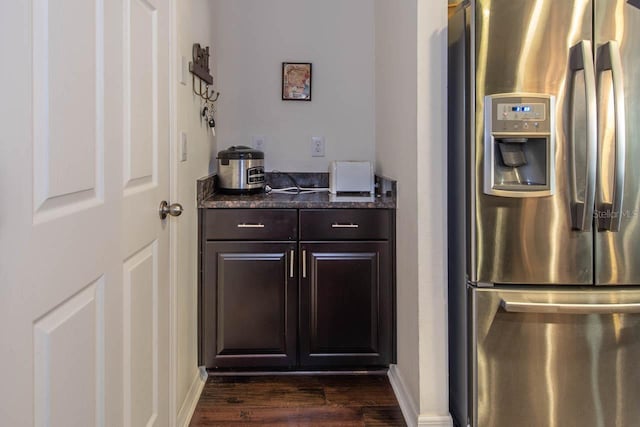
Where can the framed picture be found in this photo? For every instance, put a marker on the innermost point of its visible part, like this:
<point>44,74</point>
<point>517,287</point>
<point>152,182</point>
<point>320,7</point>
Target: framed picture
<point>296,81</point>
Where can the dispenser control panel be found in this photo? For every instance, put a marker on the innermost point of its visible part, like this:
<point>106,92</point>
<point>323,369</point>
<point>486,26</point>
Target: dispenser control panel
<point>519,145</point>
<point>525,113</point>
<point>528,111</point>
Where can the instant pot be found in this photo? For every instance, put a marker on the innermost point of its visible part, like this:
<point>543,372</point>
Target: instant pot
<point>241,170</point>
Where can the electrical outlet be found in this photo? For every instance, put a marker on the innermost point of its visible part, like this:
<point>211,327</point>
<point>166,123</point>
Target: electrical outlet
<point>257,142</point>
<point>317,146</point>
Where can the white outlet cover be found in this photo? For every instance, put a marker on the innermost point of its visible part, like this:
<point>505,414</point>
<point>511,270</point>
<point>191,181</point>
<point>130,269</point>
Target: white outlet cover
<point>317,146</point>
<point>258,142</point>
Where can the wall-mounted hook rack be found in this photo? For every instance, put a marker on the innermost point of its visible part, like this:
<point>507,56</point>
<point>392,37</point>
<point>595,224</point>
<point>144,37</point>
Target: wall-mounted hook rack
<point>200,65</point>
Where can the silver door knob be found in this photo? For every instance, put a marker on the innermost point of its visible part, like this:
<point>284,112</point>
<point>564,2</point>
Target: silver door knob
<point>167,209</point>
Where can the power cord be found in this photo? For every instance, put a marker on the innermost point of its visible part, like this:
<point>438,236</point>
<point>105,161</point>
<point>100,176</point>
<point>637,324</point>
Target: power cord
<point>296,189</point>
<point>291,178</point>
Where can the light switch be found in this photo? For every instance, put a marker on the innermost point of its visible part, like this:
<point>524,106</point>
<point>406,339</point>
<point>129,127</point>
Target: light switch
<point>183,146</point>
<point>184,64</point>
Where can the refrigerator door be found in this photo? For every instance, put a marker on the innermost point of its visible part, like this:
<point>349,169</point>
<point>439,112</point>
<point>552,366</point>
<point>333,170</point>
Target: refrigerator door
<point>555,358</point>
<point>617,252</point>
<point>525,46</point>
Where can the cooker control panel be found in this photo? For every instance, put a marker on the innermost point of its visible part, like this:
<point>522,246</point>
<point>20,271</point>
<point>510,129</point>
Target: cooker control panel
<point>255,175</point>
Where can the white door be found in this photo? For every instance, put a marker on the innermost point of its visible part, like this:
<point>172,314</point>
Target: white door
<point>145,238</point>
<point>83,254</point>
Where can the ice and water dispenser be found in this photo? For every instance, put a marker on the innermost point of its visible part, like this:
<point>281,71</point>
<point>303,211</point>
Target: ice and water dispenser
<point>519,145</point>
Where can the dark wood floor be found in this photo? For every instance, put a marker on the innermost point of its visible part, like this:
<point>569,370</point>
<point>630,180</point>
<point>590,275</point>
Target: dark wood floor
<point>323,400</point>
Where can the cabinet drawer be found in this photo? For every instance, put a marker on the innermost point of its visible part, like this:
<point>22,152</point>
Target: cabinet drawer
<point>345,224</point>
<point>250,224</point>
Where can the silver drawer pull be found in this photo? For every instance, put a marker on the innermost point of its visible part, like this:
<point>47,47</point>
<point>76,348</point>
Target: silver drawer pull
<point>291,263</point>
<point>336,225</point>
<point>250,225</point>
<point>304,264</point>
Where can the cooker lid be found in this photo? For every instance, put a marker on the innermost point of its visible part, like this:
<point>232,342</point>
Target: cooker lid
<point>240,152</point>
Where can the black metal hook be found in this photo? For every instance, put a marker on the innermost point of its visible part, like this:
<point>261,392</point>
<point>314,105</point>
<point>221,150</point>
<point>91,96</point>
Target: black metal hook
<point>208,96</point>
<point>204,94</point>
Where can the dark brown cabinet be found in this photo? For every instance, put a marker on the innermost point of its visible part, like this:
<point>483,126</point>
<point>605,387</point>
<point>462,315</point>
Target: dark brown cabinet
<point>345,304</point>
<point>254,292</point>
<point>249,288</point>
<point>287,288</point>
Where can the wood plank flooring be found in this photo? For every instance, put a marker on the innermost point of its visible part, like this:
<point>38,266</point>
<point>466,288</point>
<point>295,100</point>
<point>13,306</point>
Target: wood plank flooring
<point>298,400</point>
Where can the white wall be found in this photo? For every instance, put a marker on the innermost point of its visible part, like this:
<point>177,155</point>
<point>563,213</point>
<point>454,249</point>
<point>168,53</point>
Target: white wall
<point>432,209</point>
<point>396,152</point>
<point>194,25</point>
<point>253,38</point>
<point>411,147</point>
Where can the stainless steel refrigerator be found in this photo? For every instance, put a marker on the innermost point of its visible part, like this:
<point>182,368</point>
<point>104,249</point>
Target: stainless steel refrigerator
<point>544,213</point>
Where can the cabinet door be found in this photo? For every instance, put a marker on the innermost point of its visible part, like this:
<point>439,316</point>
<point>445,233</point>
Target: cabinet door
<point>248,305</point>
<point>345,304</point>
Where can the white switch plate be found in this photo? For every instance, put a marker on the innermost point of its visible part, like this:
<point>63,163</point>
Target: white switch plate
<point>317,146</point>
<point>183,146</point>
<point>258,142</point>
<point>184,70</point>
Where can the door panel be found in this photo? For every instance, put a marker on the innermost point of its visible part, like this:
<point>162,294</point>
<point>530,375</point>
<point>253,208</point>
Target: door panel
<point>249,305</point>
<point>543,359</point>
<point>142,94</point>
<point>141,340</point>
<point>345,304</point>
<point>78,320</point>
<point>524,46</point>
<point>68,113</point>
<point>616,251</point>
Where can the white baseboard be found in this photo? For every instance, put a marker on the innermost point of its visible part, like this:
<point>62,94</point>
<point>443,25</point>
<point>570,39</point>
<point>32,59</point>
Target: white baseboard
<point>191,400</point>
<point>409,407</point>
<point>435,421</point>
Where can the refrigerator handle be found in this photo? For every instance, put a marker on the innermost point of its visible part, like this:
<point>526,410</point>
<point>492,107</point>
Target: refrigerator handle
<point>568,308</point>
<point>609,60</point>
<point>581,59</point>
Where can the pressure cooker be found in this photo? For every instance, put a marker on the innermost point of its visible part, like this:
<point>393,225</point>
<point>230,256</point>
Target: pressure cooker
<point>241,170</point>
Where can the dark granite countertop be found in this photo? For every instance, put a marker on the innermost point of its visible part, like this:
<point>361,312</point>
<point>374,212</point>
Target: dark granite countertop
<point>208,198</point>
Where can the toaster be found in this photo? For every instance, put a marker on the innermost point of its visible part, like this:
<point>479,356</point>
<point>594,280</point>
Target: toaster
<point>351,177</point>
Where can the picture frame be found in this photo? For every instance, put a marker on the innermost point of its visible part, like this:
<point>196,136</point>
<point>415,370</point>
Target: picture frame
<point>296,81</point>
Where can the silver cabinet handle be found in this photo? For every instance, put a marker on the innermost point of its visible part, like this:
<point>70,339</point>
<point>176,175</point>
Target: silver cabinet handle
<point>167,209</point>
<point>582,210</point>
<point>568,308</point>
<point>609,60</point>
<point>304,264</point>
<point>336,225</point>
<point>291,262</point>
<point>250,225</point>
